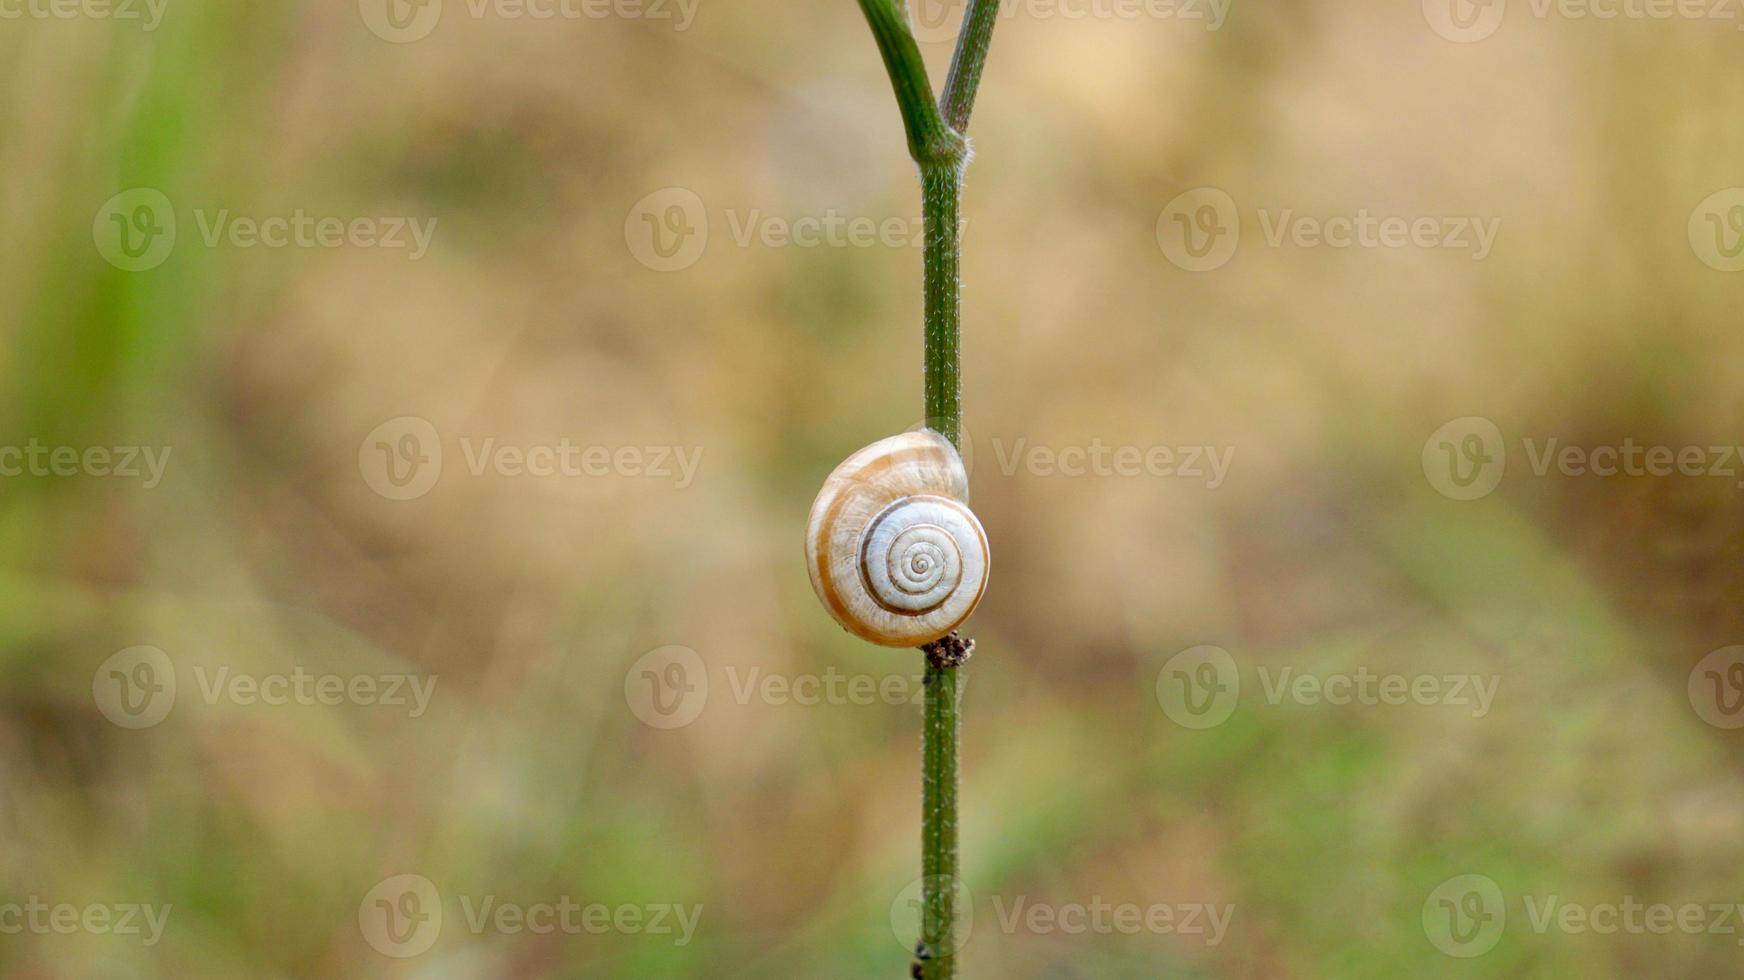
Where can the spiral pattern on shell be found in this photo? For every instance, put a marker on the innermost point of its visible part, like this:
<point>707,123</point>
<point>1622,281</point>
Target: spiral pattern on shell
<point>894,552</point>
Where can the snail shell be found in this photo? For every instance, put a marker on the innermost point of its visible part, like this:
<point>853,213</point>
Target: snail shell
<point>894,552</point>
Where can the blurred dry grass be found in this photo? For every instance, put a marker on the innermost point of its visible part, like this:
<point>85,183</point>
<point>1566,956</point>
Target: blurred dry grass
<point>795,827</point>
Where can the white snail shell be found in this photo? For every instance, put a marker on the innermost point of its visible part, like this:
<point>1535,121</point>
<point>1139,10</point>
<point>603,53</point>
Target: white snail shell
<point>894,552</point>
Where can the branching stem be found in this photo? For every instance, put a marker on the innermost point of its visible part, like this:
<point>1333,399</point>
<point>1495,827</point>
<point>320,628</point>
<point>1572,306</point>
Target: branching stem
<point>937,144</point>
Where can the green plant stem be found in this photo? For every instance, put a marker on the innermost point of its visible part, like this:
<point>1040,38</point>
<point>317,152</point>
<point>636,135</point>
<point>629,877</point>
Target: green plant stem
<point>929,139</point>
<point>938,826</point>
<point>941,202</point>
<point>941,197</point>
<point>979,18</point>
<point>936,142</point>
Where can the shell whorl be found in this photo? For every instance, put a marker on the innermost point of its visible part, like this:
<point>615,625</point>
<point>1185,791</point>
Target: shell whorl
<point>894,552</point>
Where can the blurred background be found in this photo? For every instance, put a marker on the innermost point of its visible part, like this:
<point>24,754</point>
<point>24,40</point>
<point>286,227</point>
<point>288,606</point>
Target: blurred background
<point>409,414</point>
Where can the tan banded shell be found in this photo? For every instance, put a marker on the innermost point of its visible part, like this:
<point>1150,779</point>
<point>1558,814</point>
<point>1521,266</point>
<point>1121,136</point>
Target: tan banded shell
<point>894,552</point>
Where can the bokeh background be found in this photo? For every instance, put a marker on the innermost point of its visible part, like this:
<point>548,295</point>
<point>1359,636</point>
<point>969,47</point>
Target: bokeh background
<point>548,153</point>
